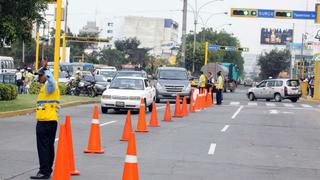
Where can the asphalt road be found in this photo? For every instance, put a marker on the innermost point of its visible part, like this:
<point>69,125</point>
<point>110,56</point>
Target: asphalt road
<point>239,140</point>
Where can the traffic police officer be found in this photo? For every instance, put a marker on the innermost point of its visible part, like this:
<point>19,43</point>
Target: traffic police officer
<point>47,121</point>
<point>202,81</point>
<point>219,88</point>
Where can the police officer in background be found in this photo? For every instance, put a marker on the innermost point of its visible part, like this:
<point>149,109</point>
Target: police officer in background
<point>202,81</point>
<point>219,88</point>
<point>47,121</point>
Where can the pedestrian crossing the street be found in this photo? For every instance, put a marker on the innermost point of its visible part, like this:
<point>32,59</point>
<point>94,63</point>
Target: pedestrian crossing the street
<point>271,104</point>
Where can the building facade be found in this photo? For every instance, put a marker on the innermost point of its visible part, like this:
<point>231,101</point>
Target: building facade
<point>158,34</point>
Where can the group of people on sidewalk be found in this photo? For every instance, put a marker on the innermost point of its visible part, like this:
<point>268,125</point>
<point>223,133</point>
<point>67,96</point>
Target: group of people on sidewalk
<point>24,78</point>
<point>215,85</point>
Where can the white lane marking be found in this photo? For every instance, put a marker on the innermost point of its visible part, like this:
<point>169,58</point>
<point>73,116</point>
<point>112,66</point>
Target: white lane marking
<point>273,111</point>
<point>104,124</point>
<point>237,112</point>
<point>252,104</point>
<point>288,105</point>
<point>234,103</point>
<point>271,104</point>
<point>306,106</point>
<point>212,149</point>
<point>287,112</point>
<point>225,128</point>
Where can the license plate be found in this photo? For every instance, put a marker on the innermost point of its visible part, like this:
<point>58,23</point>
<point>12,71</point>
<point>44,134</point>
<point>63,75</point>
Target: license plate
<point>119,104</point>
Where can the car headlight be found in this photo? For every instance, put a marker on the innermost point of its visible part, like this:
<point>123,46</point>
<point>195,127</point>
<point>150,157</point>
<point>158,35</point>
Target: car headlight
<point>159,86</point>
<point>134,98</point>
<point>106,96</point>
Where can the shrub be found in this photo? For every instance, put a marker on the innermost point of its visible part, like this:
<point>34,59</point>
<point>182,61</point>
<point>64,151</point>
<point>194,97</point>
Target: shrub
<point>8,92</point>
<point>35,88</point>
<point>63,88</point>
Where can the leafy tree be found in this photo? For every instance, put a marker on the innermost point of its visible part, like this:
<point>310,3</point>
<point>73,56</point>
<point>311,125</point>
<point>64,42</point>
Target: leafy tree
<point>17,18</point>
<point>274,62</point>
<point>130,47</point>
<point>213,37</point>
<point>112,57</point>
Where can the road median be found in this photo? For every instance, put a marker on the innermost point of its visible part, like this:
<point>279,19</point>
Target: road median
<point>27,109</point>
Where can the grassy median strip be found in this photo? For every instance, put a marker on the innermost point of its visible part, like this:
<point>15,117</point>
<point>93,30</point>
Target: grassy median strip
<point>29,101</point>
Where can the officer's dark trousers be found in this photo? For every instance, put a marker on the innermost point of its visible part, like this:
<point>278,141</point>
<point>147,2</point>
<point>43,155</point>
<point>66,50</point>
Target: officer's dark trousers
<point>46,132</point>
<point>219,96</point>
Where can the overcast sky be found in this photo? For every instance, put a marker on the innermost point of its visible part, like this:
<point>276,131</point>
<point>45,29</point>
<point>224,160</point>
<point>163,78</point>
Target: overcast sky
<point>247,30</point>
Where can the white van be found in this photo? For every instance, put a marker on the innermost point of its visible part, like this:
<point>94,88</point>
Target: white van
<point>6,65</point>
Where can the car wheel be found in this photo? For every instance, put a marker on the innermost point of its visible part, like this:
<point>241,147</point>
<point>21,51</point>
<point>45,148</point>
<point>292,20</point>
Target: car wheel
<point>188,100</point>
<point>294,100</point>
<point>150,107</point>
<point>268,100</point>
<point>277,97</point>
<point>252,97</point>
<point>157,100</point>
<point>104,110</point>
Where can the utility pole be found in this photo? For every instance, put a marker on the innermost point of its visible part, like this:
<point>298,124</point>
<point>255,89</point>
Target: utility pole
<point>184,33</point>
<point>63,58</point>
<point>23,52</point>
<point>195,35</point>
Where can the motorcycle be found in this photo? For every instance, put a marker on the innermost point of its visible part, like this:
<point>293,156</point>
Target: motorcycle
<point>81,87</point>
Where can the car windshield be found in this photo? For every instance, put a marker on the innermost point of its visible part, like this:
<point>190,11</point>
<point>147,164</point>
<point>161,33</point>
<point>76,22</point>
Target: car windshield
<point>99,78</point>
<point>173,74</point>
<point>293,83</point>
<point>131,74</point>
<point>123,83</point>
<point>108,74</point>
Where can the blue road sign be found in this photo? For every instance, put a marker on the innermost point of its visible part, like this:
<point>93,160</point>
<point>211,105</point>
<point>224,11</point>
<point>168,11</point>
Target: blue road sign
<point>213,47</point>
<point>231,48</point>
<point>309,15</point>
<point>266,13</point>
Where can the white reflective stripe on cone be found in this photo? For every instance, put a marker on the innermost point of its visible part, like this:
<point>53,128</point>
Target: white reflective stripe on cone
<point>131,159</point>
<point>95,121</point>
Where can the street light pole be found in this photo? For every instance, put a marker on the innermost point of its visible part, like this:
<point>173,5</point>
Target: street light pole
<point>184,33</point>
<point>196,12</point>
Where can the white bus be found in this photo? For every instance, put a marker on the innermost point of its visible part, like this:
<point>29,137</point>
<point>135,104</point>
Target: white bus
<point>6,65</point>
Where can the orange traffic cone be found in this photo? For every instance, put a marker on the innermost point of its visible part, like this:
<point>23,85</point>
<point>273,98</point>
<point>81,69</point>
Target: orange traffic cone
<point>154,117</point>
<point>127,128</point>
<point>72,166</point>
<point>61,170</point>
<point>184,106</point>
<point>191,105</point>
<point>177,110</point>
<point>94,144</point>
<point>202,100</point>
<point>210,103</point>
<point>130,171</point>
<point>167,114</point>
<point>197,106</point>
<point>142,125</point>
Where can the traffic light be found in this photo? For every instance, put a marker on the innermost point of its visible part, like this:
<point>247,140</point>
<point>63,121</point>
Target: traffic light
<point>283,14</point>
<point>243,49</point>
<point>244,12</point>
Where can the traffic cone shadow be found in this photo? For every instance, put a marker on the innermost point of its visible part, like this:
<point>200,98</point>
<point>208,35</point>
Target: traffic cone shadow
<point>154,117</point>
<point>72,165</point>
<point>142,124</point>
<point>61,169</point>
<point>94,144</point>
<point>130,170</point>
<point>167,114</point>
<point>127,127</point>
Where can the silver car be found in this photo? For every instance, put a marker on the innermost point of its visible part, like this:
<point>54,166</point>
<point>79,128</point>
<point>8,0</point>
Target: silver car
<point>277,89</point>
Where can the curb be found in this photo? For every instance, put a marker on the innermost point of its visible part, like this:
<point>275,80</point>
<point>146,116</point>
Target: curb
<point>310,100</point>
<point>32,110</point>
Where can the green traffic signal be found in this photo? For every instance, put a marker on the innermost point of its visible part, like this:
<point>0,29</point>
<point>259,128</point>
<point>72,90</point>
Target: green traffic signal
<point>244,12</point>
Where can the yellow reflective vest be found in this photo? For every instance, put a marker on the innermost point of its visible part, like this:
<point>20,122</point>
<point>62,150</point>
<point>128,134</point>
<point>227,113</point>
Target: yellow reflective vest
<point>219,83</point>
<point>48,105</point>
<point>202,80</point>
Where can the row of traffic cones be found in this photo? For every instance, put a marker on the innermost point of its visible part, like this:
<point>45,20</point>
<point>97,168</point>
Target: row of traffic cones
<point>65,165</point>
